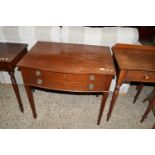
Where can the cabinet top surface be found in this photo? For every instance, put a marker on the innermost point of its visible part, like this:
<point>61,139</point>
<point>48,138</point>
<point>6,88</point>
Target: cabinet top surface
<point>9,51</point>
<point>69,58</point>
<point>135,57</point>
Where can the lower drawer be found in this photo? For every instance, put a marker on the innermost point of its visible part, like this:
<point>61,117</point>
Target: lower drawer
<point>141,76</point>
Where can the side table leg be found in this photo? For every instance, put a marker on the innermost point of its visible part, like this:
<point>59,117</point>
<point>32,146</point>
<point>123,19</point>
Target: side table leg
<point>145,99</point>
<point>16,90</point>
<point>139,89</point>
<point>114,97</point>
<point>31,100</point>
<point>120,79</point>
<point>150,96</point>
<point>104,98</point>
<point>149,108</point>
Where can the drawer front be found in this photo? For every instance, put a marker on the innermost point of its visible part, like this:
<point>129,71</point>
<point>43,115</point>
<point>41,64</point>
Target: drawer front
<point>68,82</point>
<point>141,76</point>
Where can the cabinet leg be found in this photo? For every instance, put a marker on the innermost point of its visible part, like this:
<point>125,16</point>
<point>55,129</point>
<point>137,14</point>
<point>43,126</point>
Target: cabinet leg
<point>149,108</point>
<point>16,90</point>
<point>103,102</point>
<point>31,100</point>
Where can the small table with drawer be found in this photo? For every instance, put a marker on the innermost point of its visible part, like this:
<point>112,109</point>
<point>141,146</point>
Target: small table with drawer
<point>68,67</point>
<point>134,63</point>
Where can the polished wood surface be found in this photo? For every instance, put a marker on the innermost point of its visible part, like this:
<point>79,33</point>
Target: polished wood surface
<point>68,67</point>
<point>135,57</point>
<point>135,63</point>
<point>10,54</point>
<point>10,51</point>
<point>69,58</point>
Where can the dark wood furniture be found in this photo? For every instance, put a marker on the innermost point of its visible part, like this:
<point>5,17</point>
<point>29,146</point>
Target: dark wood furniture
<point>146,33</point>
<point>68,67</point>
<point>10,54</point>
<point>134,63</point>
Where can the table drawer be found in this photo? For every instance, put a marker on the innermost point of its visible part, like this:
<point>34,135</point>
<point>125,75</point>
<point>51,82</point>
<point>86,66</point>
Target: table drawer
<point>68,82</point>
<point>141,76</point>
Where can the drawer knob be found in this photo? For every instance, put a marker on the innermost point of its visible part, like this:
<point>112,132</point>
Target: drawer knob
<point>146,77</point>
<point>38,73</point>
<point>91,86</point>
<point>91,77</point>
<point>39,81</point>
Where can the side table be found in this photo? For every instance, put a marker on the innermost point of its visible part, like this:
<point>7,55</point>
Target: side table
<point>68,67</point>
<point>134,63</point>
<point>10,54</point>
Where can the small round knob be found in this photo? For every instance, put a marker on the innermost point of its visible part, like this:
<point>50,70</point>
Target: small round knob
<point>146,77</point>
<point>91,86</point>
<point>39,81</point>
<point>91,77</point>
<point>38,73</point>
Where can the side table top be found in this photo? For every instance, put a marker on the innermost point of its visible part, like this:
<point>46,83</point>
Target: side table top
<point>69,58</point>
<point>135,57</point>
<point>9,51</point>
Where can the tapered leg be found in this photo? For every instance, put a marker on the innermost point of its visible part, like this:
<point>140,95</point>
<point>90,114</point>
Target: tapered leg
<point>149,108</point>
<point>31,100</point>
<point>103,102</point>
<point>120,79</point>
<point>114,97</point>
<point>145,99</point>
<point>16,90</point>
<point>150,96</point>
<point>139,89</point>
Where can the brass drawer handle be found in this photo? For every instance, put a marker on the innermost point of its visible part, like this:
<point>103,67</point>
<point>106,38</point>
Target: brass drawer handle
<point>39,81</point>
<point>146,77</point>
<point>38,73</point>
<point>91,77</point>
<point>91,86</point>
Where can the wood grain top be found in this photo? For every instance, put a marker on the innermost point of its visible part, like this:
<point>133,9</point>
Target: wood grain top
<point>135,57</point>
<point>69,58</point>
<point>9,51</point>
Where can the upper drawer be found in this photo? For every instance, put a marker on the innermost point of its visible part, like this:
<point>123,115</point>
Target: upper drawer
<point>141,76</point>
<point>53,76</point>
